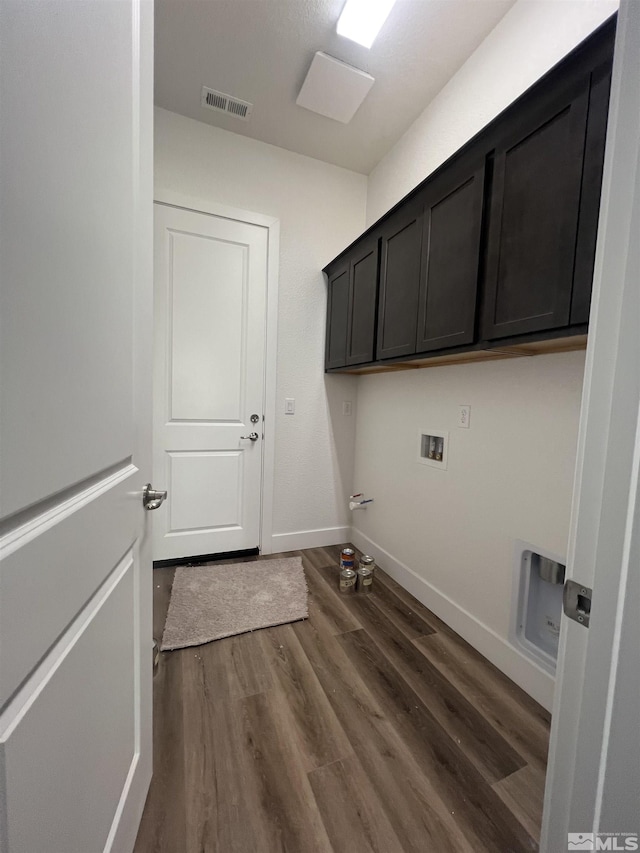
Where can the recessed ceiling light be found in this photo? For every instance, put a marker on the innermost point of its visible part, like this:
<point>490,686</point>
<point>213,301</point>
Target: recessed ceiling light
<point>362,20</point>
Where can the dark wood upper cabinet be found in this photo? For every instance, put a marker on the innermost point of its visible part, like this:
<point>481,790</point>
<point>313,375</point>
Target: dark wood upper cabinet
<point>452,228</point>
<point>363,294</point>
<point>351,307</point>
<point>401,246</point>
<point>590,198</point>
<point>337,317</point>
<point>496,248</point>
<point>534,210</point>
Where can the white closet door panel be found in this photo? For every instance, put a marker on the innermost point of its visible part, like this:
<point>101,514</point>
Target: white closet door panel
<point>195,505</point>
<point>48,571</point>
<point>64,784</point>
<point>196,435</point>
<point>65,240</point>
<point>208,327</point>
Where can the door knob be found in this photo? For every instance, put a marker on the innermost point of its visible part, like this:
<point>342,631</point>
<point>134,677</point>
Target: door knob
<point>253,436</point>
<point>151,499</point>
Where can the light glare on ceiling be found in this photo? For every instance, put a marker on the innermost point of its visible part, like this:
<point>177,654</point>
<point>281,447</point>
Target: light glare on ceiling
<point>362,20</point>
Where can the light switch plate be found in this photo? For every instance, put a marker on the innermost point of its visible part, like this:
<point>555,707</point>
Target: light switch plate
<point>346,408</point>
<point>289,406</point>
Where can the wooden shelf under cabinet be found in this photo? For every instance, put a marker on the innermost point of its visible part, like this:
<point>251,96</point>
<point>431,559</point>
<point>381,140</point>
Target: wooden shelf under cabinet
<point>555,345</point>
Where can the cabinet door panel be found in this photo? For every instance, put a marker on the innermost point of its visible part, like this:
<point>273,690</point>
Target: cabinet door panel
<point>337,318</point>
<point>363,291</point>
<point>400,283</point>
<point>534,219</point>
<point>591,189</point>
<point>451,257</point>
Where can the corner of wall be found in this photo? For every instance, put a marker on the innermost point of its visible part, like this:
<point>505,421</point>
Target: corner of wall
<point>321,209</point>
<point>524,672</point>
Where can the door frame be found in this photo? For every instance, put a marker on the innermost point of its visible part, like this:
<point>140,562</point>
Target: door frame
<point>587,722</point>
<point>272,224</point>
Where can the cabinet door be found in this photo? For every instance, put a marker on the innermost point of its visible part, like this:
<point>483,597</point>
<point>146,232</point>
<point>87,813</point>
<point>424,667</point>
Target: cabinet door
<point>400,282</point>
<point>591,188</point>
<point>451,257</point>
<point>337,317</point>
<point>363,290</point>
<point>535,202</point>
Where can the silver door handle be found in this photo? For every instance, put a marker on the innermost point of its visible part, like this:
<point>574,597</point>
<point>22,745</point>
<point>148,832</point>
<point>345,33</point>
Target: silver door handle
<point>253,436</point>
<point>151,499</point>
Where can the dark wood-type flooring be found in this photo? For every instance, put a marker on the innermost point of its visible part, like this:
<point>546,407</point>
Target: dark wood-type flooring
<point>371,726</point>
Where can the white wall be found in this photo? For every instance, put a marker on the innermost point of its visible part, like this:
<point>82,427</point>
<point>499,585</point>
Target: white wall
<point>321,208</point>
<point>449,536</point>
<point>509,477</point>
<point>531,38</point>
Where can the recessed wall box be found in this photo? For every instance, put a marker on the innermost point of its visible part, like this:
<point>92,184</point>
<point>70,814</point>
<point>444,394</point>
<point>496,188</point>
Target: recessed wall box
<point>538,581</point>
<point>433,448</point>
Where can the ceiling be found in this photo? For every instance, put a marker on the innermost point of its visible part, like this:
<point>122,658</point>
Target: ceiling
<point>260,51</point>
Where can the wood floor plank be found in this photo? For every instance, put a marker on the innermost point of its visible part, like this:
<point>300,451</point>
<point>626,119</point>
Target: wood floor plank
<point>249,670</point>
<point>219,801</point>
<point>237,665</point>
<point>520,720</point>
<point>163,824</point>
<point>479,740</point>
<point>456,646</point>
<point>482,816</point>
<point>351,810</point>
<point>289,814</point>
<point>523,794</point>
<point>404,617</point>
<point>321,738</point>
<point>331,553</point>
<point>209,805</point>
<point>337,616</point>
<point>396,598</point>
<point>417,606</point>
<point>415,810</point>
<point>399,612</point>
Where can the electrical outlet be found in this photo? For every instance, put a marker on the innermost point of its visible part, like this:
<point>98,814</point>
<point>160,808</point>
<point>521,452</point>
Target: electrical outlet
<point>289,406</point>
<point>346,408</point>
<point>464,417</point>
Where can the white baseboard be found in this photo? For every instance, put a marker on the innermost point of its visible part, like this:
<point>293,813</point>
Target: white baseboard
<point>309,539</point>
<point>531,678</point>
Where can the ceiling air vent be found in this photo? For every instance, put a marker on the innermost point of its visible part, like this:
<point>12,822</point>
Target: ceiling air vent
<point>221,103</point>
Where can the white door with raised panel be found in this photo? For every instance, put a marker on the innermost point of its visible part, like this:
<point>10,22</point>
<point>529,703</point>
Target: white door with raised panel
<point>76,190</point>
<point>209,377</point>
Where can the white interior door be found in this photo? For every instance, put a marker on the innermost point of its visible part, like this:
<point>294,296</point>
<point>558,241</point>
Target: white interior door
<point>593,782</point>
<point>75,424</point>
<point>210,321</point>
